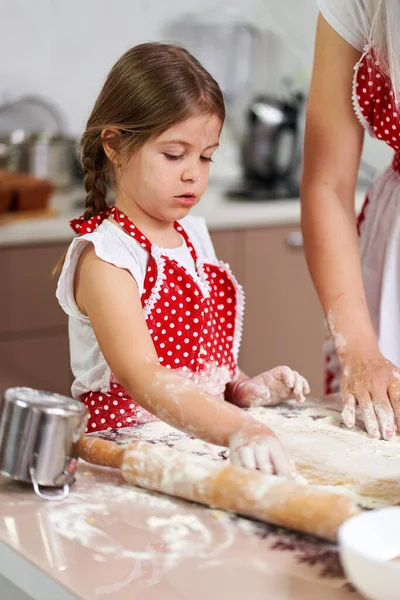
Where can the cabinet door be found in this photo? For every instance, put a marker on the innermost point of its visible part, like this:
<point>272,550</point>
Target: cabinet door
<point>41,363</point>
<point>228,247</point>
<point>283,319</point>
<point>27,299</point>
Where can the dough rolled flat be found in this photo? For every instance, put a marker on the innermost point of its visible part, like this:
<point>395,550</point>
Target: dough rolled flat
<point>273,499</point>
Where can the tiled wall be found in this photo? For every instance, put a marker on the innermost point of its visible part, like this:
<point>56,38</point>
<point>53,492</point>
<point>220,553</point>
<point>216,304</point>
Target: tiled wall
<point>63,50</point>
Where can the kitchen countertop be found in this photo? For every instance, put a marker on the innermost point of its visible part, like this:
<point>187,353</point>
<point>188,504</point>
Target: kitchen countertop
<point>219,212</point>
<point>113,540</point>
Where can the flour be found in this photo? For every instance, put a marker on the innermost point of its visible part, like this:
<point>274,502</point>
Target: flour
<point>338,339</point>
<point>185,535</point>
<point>212,379</point>
<point>113,521</point>
<point>79,517</point>
<point>158,470</point>
<point>328,453</point>
<point>325,451</point>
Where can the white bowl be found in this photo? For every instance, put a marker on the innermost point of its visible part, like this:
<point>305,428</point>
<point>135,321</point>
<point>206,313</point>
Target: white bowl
<point>368,543</point>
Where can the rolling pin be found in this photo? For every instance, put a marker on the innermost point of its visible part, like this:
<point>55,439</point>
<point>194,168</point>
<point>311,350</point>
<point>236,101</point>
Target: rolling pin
<point>277,500</point>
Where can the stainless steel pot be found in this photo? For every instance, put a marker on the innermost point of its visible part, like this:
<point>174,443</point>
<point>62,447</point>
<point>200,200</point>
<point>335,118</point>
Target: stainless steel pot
<point>38,434</point>
<point>44,155</point>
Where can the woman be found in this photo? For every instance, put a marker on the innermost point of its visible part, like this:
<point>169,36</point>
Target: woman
<point>355,87</point>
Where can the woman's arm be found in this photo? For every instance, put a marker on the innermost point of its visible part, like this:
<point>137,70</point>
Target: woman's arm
<point>332,149</point>
<point>110,298</point>
<point>333,144</point>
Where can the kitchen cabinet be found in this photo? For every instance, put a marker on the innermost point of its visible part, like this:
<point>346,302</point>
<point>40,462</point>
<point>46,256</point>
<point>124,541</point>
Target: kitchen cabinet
<point>228,246</point>
<point>40,362</point>
<point>33,328</point>
<point>283,322</point>
<point>28,303</point>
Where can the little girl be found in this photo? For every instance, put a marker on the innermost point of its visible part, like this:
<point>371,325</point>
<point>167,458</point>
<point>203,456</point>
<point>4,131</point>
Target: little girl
<point>155,319</point>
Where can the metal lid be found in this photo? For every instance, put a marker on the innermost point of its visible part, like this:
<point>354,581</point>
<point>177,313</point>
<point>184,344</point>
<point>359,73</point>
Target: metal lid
<point>48,401</point>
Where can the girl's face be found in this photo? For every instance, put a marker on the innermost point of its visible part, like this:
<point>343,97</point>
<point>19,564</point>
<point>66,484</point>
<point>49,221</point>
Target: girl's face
<point>169,174</point>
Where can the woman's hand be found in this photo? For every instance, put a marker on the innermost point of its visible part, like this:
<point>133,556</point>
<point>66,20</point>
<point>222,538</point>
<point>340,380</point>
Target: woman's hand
<point>374,385</point>
<point>269,388</point>
<point>257,447</point>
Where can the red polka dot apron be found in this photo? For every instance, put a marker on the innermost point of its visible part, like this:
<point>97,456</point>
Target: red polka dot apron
<point>195,324</point>
<point>378,222</point>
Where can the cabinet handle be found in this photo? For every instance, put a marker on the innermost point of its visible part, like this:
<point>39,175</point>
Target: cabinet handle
<point>294,239</point>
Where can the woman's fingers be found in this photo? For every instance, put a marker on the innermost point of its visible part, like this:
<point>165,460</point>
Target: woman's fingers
<point>394,397</point>
<point>374,384</point>
<point>368,415</point>
<point>385,415</point>
<point>377,413</point>
<point>349,411</point>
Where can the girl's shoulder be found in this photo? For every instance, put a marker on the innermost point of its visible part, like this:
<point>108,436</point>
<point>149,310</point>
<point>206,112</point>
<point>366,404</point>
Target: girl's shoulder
<point>348,18</point>
<point>111,245</point>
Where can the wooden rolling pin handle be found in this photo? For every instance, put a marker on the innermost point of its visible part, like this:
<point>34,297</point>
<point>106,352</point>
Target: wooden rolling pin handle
<point>100,452</point>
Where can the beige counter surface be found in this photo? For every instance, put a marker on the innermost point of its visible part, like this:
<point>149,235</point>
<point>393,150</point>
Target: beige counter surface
<point>219,212</point>
<point>111,540</point>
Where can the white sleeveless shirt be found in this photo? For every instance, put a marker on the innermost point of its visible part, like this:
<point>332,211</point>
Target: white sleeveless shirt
<point>348,19</point>
<point>114,246</point>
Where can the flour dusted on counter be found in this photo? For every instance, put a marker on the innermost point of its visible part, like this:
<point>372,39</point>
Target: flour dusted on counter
<point>162,433</point>
<point>326,452</point>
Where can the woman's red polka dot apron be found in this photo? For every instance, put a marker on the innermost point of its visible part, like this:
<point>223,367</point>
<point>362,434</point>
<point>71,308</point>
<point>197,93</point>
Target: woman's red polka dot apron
<point>378,222</point>
<point>195,324</point>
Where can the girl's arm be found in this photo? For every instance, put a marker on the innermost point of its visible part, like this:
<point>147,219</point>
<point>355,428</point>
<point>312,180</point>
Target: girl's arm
<point>333,145</point>
<point>110,298</point>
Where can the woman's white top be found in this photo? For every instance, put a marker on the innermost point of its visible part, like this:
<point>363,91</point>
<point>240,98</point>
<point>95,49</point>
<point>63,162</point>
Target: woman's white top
<point>347,18</point>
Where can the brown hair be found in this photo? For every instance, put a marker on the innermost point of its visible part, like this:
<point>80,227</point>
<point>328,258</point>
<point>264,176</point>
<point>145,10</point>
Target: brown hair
<point>150,88</point>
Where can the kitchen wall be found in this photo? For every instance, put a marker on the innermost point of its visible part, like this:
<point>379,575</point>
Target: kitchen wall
<point>63,50</point>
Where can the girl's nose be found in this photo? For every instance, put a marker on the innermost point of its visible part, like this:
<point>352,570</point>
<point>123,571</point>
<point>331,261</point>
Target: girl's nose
<point>191,175</point>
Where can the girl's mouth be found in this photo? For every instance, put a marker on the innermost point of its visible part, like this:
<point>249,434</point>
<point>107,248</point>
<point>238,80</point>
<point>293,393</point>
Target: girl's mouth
<point>187,199</point>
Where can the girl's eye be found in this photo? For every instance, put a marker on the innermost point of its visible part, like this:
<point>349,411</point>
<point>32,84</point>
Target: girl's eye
<point>206,158</point>
<point>172,156</point>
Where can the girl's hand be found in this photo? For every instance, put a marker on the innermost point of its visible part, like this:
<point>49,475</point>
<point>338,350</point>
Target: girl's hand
<point>269,388</point>
<point>257,447</point>
<point>374,385</point>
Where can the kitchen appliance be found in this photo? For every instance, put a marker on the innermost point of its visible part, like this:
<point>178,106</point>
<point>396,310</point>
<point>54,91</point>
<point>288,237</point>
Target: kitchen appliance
<point>43,155</point>
<point>38,435</point>
<point>226,43</point>
<point>33,140</point>
<point>272,148</point>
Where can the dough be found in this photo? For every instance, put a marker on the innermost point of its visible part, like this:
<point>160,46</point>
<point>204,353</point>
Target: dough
<point>325,451</point>
<point>328,453</point>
